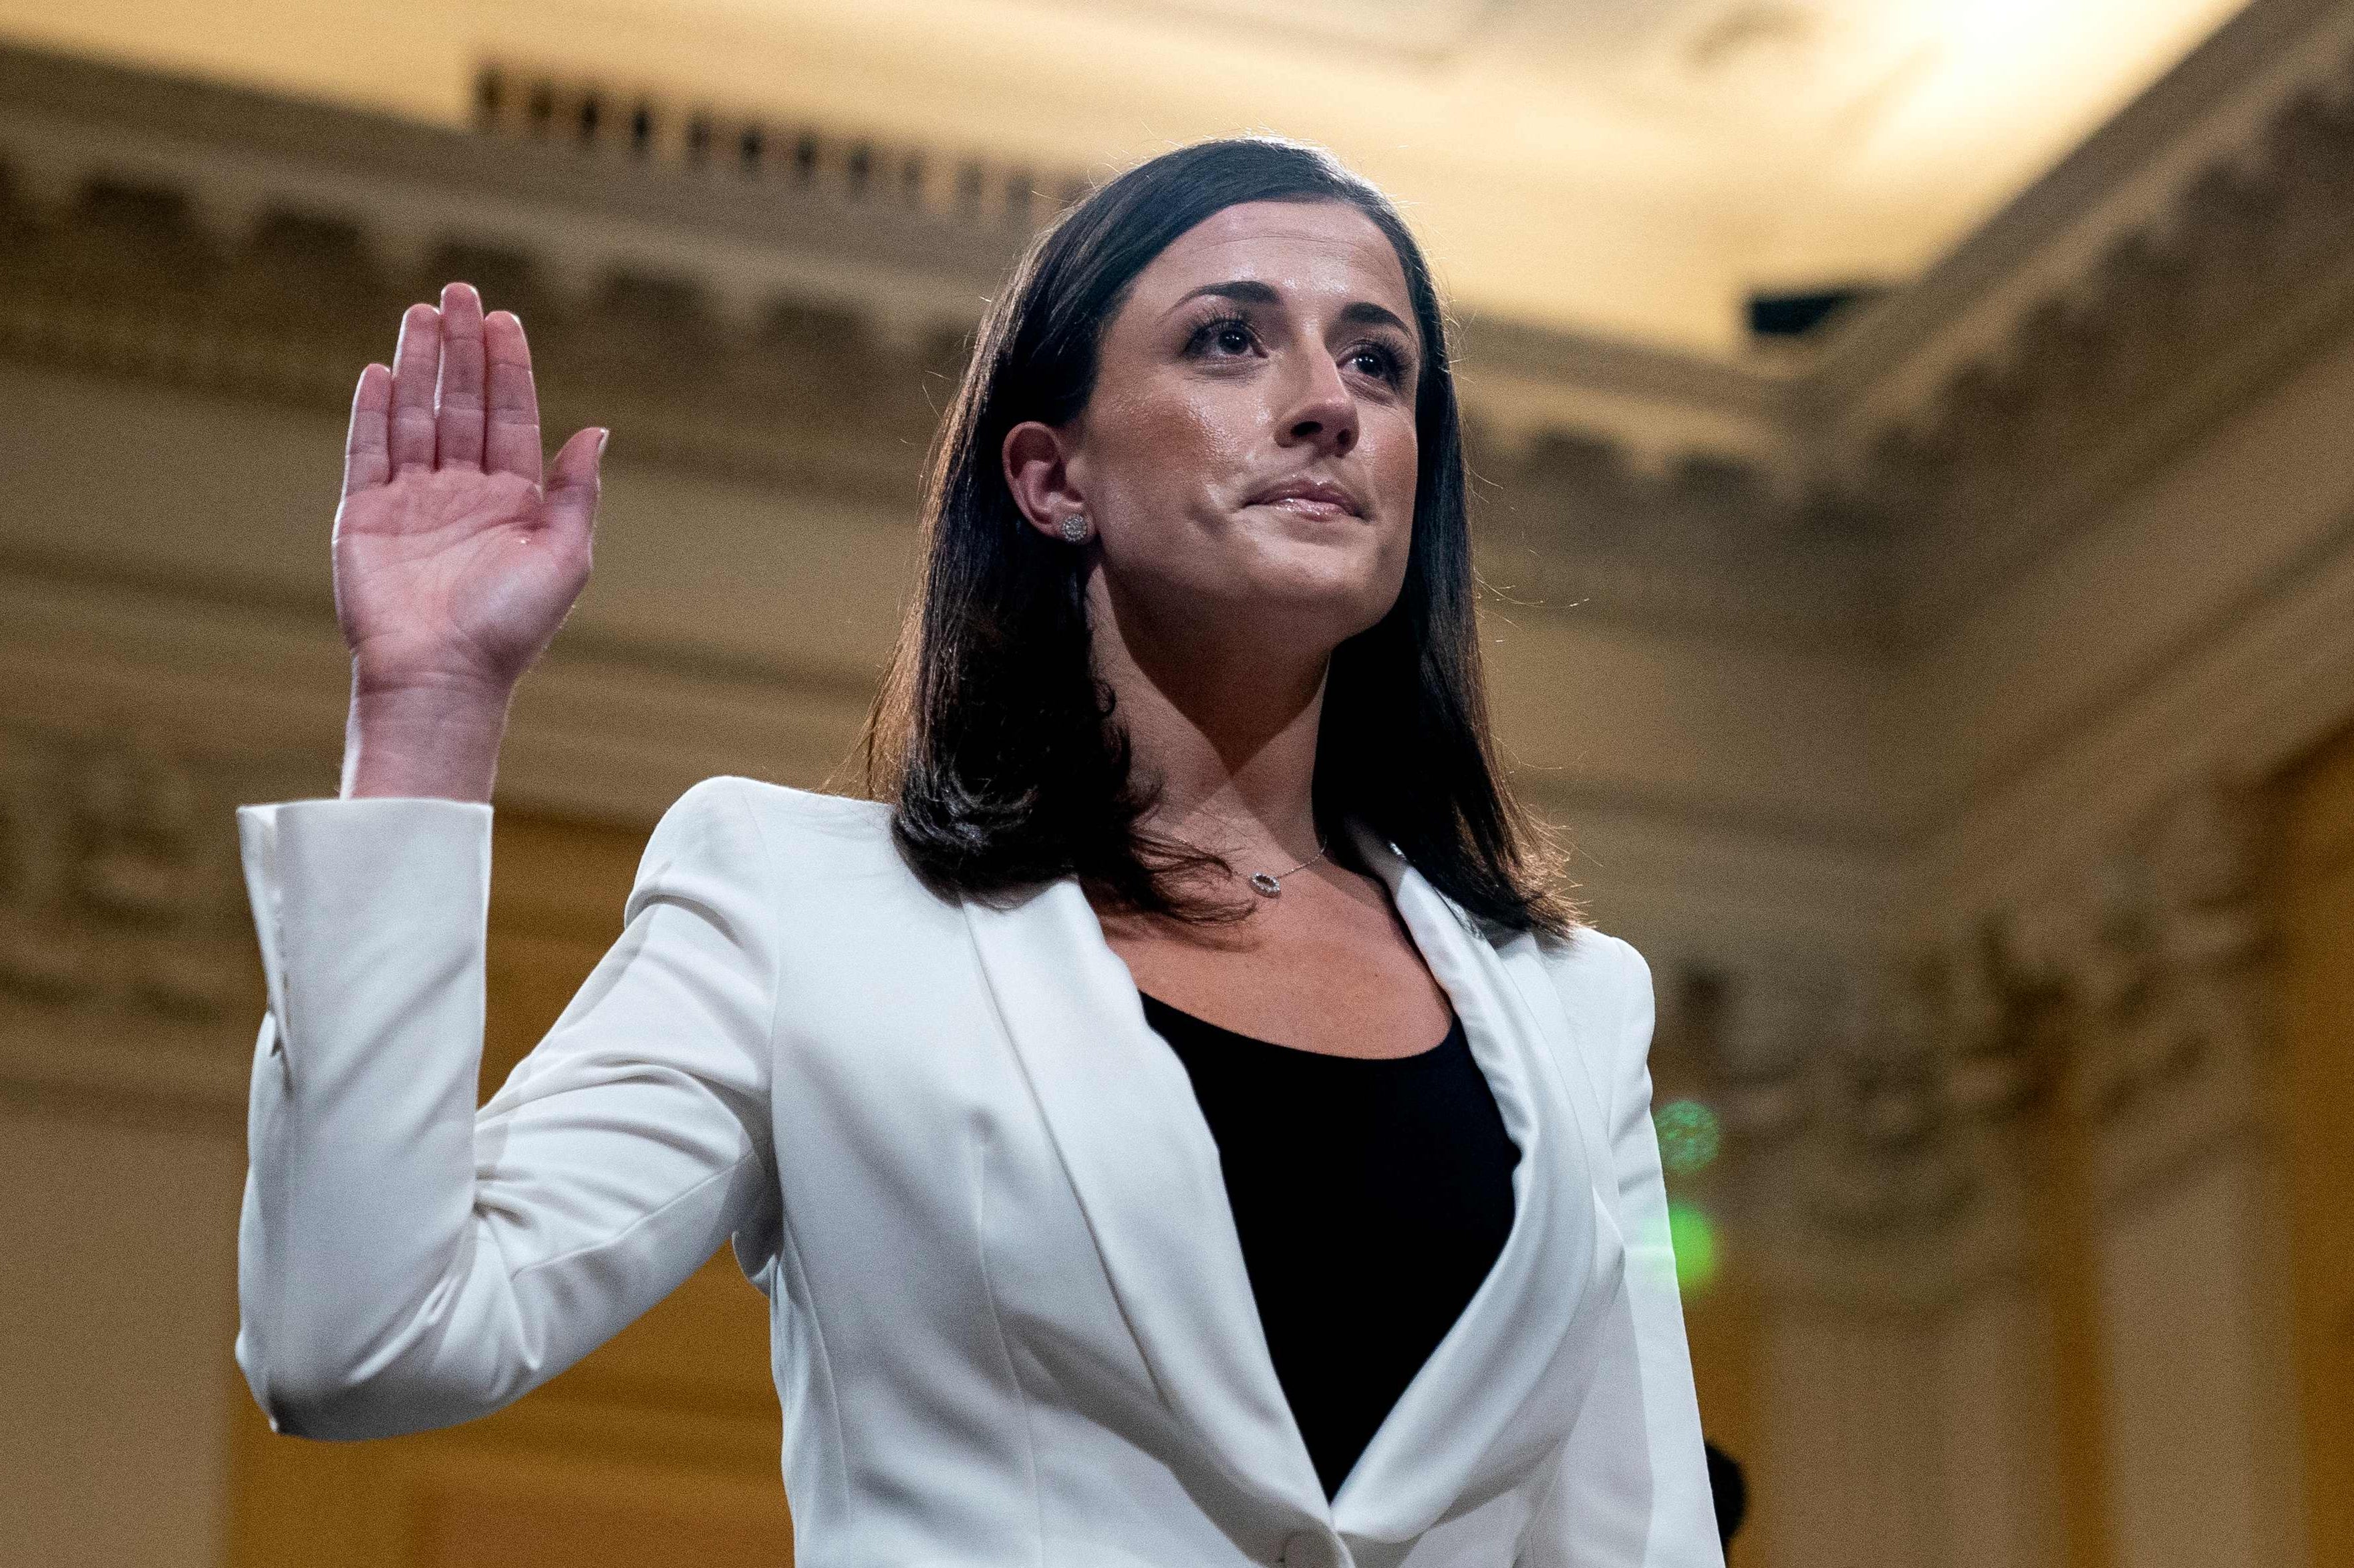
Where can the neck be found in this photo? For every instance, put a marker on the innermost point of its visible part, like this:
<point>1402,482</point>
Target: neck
<point>1229,732</point>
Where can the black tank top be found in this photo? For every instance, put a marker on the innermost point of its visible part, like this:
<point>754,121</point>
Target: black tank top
<point>1372,1197</point>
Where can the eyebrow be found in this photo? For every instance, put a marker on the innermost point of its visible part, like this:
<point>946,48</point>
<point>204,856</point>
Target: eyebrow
<point>1249,291</point>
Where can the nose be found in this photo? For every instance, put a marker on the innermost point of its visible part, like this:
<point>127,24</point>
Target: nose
<point>1322,413</point>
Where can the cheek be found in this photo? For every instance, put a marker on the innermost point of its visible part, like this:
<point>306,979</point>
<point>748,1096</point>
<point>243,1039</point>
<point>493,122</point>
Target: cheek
<point>1395,462</point>
<point>1171,447</point>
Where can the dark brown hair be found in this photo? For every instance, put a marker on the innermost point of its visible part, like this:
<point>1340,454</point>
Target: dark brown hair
<point>992,736</point>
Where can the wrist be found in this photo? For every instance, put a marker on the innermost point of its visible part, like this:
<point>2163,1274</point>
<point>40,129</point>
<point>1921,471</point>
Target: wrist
<point>436,741</point>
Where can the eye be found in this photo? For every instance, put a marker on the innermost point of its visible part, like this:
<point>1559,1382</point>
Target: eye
<point>1225,337</point>
<point>1379,361</point>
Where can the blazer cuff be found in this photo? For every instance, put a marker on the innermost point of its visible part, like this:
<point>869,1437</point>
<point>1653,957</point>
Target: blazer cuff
<point>379,878</point>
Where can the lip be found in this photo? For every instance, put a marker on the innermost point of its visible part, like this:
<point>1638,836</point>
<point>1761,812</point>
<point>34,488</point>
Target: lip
<point>1319,494</point>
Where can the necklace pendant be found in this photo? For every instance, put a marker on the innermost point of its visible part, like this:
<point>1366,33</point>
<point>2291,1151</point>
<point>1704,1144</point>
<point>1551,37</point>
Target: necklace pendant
<point>1265,886</point>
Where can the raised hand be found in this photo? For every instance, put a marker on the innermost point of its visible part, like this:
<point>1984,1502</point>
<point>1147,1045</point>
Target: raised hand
<point>454,563</point>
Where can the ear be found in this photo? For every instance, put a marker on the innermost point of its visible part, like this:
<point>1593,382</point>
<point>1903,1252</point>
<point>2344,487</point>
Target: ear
<point>1037,471</point>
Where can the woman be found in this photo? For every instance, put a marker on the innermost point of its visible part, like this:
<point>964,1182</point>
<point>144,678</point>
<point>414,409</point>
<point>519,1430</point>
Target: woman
<point>1075,1103</point>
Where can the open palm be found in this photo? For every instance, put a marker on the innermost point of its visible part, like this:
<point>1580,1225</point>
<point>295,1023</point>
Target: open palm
<point>454,562</point>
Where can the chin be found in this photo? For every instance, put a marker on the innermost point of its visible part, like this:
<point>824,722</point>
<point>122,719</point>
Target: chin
<point>1350,596</point>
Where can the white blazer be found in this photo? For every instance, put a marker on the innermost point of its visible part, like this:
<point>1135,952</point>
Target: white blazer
<point>1010,1319</point>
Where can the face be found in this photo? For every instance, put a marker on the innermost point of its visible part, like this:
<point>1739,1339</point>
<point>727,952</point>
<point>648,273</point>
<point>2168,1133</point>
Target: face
<point>1249,446</point>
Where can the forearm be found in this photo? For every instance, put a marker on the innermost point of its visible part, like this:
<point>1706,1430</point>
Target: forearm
<point>408,1261</point>
<point>361,1190</point>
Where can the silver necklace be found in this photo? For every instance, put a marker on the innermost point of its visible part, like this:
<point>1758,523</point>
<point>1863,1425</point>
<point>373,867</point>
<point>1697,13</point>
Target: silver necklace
<point>1267,886</point>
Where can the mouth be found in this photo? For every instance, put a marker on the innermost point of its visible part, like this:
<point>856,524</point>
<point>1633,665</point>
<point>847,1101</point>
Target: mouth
<point>1309,498</point>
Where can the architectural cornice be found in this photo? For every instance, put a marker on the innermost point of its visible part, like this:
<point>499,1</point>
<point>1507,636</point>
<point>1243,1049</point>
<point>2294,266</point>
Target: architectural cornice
<point>799,331</point>
<point>237,153</point>
<point>810,165</point>
<point>2198,246</point>
<point>1889,357</point>
<point>799,317</point>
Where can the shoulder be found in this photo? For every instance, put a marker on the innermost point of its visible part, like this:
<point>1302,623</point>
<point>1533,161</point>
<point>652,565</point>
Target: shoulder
<point>1596,970</point>
<point>792,810</point>
<point>742,819</point>
<point>1605,986</point>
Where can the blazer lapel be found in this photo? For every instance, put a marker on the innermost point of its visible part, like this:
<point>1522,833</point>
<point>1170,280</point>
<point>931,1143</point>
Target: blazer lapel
<point>1121,1109</point>
<point>1498,1392</point>
<point>1501,1390</point>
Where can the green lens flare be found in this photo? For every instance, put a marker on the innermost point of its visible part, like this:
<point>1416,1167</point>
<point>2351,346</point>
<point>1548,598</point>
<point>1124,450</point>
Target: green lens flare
<point>1693,1236</point>
<point>1689,1136</point>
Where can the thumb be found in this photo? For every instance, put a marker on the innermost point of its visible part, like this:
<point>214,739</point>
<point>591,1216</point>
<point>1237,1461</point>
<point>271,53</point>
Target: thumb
<point>574,480</point>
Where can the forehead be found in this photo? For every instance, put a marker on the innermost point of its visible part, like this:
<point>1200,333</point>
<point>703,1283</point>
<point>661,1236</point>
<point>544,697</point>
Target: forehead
<point>1298,246</point>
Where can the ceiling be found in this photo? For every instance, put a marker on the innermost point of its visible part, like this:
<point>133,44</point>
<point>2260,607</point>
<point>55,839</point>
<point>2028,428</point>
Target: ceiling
<point>1627,167</point>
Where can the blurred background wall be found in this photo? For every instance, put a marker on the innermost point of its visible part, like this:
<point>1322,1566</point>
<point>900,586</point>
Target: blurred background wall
<point>1916,512</point>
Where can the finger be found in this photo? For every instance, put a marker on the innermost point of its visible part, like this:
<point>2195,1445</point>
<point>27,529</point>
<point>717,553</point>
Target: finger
<point>367,460</point>
<point>416,367</point>
<point>457,399</point>
<point>511,428</point>
<point>573,482</point>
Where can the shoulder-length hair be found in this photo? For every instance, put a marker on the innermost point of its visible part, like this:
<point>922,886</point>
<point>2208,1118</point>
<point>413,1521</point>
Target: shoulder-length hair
<point>992,736</point>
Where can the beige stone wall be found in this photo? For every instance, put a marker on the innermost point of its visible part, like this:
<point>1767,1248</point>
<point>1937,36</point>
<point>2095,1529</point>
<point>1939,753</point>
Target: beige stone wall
<point>121,1234</point>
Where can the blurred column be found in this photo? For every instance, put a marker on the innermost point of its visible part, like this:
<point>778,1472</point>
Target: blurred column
<point>2170,1035</point>
<point>1881,1180</point>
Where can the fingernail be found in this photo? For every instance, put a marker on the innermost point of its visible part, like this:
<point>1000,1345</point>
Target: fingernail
<point>602,437</point>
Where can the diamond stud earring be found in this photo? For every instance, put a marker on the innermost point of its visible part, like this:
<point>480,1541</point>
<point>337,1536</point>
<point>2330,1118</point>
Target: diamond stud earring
<point>1074,528</point>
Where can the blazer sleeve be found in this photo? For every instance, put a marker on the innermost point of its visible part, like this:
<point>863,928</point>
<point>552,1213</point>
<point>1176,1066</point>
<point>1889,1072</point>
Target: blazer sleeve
<point>405,1261</point>
<point>1631,1489</point>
